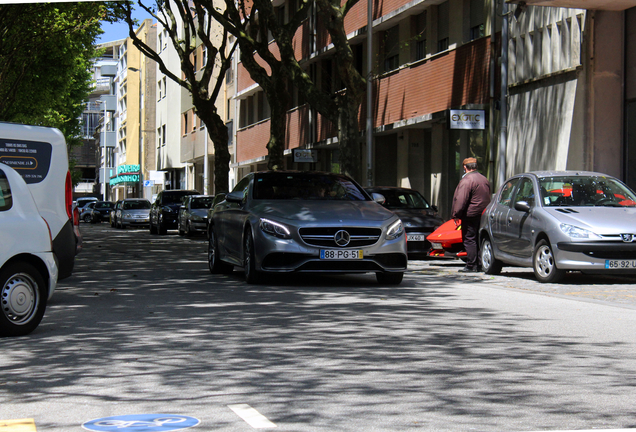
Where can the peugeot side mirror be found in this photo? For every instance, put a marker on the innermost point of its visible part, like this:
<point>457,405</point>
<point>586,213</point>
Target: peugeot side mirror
<point>522,206</point>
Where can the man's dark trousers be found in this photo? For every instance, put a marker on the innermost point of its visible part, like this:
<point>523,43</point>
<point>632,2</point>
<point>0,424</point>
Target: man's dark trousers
<point>470,233</point>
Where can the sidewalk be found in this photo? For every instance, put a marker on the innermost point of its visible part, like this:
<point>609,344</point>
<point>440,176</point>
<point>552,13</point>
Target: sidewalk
<point>617,290</point>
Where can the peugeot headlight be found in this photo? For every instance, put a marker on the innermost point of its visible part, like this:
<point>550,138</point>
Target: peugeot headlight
<point>274,228</point>
<point>127,215</point>
<point>395,230</point>
<point>578,233</point>
<point>168,209</point>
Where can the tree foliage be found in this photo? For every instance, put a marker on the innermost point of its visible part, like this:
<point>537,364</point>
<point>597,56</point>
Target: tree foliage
<point>251,22</point>
<point>205,87</point>
<point>45,62</point>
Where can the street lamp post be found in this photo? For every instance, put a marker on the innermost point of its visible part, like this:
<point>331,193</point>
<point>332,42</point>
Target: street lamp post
<point>103,102</point>
<point>140,184</point>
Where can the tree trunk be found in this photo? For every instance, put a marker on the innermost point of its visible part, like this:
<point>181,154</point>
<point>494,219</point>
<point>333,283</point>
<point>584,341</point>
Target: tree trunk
<point>218,133</point>
<point>278,96</point>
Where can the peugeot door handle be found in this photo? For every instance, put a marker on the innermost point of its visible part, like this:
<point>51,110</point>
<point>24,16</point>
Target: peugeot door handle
<point>509,220</point>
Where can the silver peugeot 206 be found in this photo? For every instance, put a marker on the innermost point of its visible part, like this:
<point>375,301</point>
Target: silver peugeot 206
<point>558,221</point>
<point>288,221</point>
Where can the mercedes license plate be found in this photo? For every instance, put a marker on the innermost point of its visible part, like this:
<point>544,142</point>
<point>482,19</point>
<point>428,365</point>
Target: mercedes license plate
<point>620,264</point>
<point>330,254</point>
<point>415,237</point>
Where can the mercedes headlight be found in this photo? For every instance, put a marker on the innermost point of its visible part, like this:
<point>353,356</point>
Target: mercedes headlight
<point>274,228</point>
<point>395,230</point>
<point>578,233</point>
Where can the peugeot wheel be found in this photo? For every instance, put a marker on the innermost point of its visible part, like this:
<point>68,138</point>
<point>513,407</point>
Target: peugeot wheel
<point>22,299</point>
<point>544,265</point>
<point>489,264</point>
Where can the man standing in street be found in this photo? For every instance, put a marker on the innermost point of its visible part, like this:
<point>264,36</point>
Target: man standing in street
<point>469,201</point>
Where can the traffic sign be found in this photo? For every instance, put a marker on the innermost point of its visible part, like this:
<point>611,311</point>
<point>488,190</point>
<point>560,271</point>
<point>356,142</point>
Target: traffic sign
<point>146,422</point>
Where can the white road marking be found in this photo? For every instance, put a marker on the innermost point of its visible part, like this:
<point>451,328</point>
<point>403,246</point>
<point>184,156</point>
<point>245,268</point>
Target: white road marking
<point>253,417</point>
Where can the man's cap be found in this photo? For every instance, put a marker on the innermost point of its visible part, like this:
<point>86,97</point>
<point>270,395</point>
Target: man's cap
<point>470,161</point>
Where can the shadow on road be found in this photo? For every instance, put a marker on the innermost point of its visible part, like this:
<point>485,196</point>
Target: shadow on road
<point>143,321</point>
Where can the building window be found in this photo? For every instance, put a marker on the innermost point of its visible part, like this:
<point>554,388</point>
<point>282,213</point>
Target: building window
<point>194,121</point>
<point>185,123</point>
<point>391,47</point>
<point>420,35</point>
<point>159,90</point>
<point>476,19</point>
<point>443,24</point>
<point>163,135</point>
<point>204,57</point>
<point>230,133</point>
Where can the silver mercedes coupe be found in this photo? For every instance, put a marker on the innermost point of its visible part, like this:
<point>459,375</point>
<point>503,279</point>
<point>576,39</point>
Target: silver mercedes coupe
<point>289,221</point>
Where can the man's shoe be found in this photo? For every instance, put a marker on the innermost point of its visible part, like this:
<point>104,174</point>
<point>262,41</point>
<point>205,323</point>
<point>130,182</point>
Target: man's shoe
<point>469,270</point>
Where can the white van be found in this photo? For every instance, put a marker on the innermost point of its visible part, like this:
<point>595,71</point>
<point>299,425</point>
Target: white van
<point>40,156</point>
<point>28,268</point>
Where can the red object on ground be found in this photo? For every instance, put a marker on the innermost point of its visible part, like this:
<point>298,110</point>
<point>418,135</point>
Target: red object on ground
<point>449,237</point>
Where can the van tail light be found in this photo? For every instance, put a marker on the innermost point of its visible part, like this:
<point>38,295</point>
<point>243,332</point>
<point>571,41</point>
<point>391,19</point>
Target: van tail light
<point>69,195</point>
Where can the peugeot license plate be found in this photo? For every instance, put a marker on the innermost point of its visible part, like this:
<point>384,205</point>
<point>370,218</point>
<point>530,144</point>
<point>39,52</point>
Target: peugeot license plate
<point>331,254</point>
<point>415,237</point>
<point>620,264</point>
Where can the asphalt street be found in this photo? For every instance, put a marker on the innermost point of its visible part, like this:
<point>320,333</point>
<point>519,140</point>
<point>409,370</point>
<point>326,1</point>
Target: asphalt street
<point>142,327</point>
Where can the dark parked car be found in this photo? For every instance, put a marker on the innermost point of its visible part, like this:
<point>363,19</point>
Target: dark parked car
<point>164,211</point>
<point>558,221</point>
<point>419,218</point>
<point>132,212</point>
<point>193,214</point>
<point>288,221</point>
<point>101,211</point>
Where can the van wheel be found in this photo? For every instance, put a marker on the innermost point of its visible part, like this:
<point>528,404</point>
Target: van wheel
<point>544,265</point>
<point>22,299</point>
<point>489,264</point>
<point>389,278</point>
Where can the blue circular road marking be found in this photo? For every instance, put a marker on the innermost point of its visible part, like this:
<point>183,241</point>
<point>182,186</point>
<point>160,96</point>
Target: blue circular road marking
<point>142,422</point>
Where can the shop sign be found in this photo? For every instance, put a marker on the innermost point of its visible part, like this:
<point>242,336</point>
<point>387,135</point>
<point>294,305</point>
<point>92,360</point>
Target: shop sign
<point>467,119</point>
<point>127,178</point>
<point>305,155</point>
<point>127,169</point>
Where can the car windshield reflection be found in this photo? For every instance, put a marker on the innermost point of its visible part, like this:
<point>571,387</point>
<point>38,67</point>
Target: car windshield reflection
<point>585,191</point>
<point>136,205</point>
<point>201,203</point>
<point>306,187</point>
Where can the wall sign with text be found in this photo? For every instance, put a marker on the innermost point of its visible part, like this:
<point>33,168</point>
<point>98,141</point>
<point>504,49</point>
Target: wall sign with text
<point>467,119</point>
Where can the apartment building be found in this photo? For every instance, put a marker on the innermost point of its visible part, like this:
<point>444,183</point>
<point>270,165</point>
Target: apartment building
<point>431,64</point>
<point>89,154</point>
<point>134,119</point>
<point>572,87</point>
